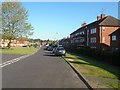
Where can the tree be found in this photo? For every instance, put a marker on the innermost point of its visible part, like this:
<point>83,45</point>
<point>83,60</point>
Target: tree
<point>14,21</point>
<point>0,21</point>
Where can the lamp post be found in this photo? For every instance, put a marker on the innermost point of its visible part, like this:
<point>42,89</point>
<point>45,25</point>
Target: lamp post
<point>56,39</point>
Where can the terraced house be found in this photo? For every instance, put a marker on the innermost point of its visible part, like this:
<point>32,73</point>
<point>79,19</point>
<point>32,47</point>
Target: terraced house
<point>96,34</point>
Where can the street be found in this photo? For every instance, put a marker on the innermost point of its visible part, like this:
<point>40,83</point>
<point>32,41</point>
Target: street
<point>40,70</point>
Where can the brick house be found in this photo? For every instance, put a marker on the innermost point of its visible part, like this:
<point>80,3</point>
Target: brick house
<point>115,40</point>
<point>95,34</point>
<point>19,42</point>
<point>65,41</point>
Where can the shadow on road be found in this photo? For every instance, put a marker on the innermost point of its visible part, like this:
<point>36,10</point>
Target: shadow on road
<point>49,53</point>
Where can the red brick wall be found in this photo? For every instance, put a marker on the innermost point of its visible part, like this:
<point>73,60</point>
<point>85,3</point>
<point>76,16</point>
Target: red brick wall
<point>106,33</point>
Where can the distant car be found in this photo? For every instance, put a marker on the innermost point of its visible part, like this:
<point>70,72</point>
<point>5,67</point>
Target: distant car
<point>60,51</point>
<point>46,47</point>
<point>50,48</point>
<point>60,46</point>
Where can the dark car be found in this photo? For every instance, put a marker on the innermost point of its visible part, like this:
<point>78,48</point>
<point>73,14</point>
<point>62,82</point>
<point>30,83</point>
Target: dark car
<point>60,51</point>
<point>50,48</point>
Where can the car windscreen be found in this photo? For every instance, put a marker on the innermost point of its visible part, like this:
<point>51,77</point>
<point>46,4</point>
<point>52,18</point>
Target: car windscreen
<point>60,48</point>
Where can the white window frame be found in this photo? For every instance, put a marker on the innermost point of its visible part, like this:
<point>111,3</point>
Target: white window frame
<point>114,37</point>
<point>93,31</point>
<point>103,29</point>
<point>93,40</point>
<point>103,39</point>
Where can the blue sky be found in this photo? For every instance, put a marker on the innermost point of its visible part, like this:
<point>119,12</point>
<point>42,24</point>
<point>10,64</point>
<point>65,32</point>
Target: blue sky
<point>56,20</point>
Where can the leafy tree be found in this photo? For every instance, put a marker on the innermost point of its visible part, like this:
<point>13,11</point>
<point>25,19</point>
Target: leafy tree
<point>14,21</point>
<point>0,21</point>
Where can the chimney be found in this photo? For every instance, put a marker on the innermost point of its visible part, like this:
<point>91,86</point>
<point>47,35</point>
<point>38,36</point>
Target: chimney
<point>84,24</point>
<point>98,17</point>
<point>101,16</point>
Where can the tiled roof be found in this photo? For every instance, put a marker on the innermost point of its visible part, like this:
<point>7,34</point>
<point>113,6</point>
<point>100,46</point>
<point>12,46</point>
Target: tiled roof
<point>106,21</point>
<point>110,21</point>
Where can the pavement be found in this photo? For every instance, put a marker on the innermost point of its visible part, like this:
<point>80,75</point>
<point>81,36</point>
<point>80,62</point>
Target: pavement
<point>40,70</point>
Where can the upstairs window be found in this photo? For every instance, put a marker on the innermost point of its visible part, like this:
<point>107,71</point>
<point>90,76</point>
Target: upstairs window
<point>92,31</point>
<point>103,28</point>
<point>82,33</point>
<point>113,37</point>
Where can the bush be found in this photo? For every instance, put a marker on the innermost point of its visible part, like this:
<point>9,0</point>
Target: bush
<point>98,54</point>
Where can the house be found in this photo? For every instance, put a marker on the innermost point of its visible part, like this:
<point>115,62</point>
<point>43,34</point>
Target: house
<point>19,42</point>
<point>115,40</point>
<point>65,41</point>
<point>96,34</point>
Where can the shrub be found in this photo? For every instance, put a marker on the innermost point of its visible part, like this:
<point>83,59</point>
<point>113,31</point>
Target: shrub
<point>98,54</point>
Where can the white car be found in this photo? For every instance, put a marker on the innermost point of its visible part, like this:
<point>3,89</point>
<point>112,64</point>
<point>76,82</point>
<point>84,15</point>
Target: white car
<point>60,51</point>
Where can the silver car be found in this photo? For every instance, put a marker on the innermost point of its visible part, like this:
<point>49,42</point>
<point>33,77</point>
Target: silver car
<point>60,51</point>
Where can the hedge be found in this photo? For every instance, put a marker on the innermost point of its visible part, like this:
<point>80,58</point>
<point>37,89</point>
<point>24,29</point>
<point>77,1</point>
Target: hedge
<point>106,56</point>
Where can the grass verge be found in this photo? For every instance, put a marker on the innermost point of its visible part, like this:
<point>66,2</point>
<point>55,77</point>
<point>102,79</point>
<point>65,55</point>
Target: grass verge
<point>18,50</point>
<point>96,70</point>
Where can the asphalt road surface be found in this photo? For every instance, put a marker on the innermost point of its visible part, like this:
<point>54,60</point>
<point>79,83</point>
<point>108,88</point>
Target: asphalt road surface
<point>41,70</point>
<point>7,57</point>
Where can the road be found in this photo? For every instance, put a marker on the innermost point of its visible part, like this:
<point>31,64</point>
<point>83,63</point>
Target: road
<point>41,70</point>
<point>7,57</point>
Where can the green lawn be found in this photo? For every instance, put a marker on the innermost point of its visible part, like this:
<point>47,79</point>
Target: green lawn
<point>18,50</point>
<point>88,67</point>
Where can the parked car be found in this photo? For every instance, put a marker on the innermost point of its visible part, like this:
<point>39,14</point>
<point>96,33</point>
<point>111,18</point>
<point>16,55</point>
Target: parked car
<point>46,47</point>
<point>60,46</point>
<point>50,48</point>
<point>54,49</point>
<point>60,51</point>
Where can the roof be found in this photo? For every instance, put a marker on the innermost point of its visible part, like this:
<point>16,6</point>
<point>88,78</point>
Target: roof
<point>106,21</point>
<point>110,21</point>
<point>115,32</point>
<point>82,28</point>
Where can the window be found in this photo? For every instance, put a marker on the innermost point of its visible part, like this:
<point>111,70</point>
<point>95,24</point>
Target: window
<point>116,48</point>
<point>103,39</point>
<point>103,29</point>
<point>82,40</point>
<point>71,36</point>
<point>93,40</point>
<point>76,34</point>
<point>113,37</point>
<point>92,31</point>
<point>93,47</point>
<point>82,33</point>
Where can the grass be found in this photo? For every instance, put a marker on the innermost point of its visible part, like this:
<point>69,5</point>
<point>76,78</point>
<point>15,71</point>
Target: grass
<point>18,50</point>
<point>113,84</point>
<point>94,68</point>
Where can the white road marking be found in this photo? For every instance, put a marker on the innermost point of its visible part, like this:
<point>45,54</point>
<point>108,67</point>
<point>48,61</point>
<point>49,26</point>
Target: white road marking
<point>15,60</point>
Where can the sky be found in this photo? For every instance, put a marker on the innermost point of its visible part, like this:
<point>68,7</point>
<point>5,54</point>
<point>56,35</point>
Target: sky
<point>56,20</point>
